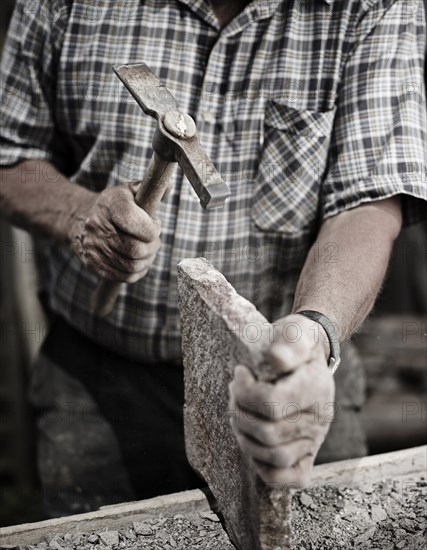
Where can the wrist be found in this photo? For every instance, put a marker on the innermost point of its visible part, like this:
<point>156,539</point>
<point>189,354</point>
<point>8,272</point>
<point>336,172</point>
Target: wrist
<point>327,335</point>
<point>82,200</point>
<point>315,333</point>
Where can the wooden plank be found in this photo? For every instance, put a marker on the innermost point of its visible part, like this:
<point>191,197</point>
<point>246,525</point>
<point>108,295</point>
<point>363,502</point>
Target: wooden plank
<point>401,465</point>
<point>108,517</point>
<point>372,469</point>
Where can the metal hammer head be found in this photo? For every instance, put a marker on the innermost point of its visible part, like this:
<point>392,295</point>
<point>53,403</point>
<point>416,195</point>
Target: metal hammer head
<point>176,136</point>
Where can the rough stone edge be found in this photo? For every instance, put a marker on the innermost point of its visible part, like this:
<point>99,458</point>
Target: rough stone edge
<point>235,312</point>
<point>405,464</point>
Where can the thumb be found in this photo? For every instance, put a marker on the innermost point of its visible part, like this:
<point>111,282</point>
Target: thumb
<point>243,376</point>
<point>293,345</point>
<point>243,379</point>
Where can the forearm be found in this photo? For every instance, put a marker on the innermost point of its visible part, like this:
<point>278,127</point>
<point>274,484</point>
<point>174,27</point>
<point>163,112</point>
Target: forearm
<point>35,196</point>
<point>345,268</point>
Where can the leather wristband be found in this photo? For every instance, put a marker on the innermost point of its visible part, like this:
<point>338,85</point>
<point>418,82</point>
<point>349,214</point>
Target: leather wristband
<point>328,326</point>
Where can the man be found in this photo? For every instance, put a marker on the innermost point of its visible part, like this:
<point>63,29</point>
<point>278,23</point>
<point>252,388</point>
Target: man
<point>313,112</point>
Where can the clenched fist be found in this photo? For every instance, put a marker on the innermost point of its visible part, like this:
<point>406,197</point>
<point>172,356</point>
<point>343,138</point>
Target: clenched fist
<point>114,238</point>
<point>281,426</point>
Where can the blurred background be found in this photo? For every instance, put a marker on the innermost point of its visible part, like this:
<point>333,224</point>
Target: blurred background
<point>20,499</point>
<point>392,343</point>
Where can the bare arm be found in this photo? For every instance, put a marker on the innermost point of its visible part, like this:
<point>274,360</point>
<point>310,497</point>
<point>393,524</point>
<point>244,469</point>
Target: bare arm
<point>111,235</point>
<point>345,268</point>
<point>35,196</point>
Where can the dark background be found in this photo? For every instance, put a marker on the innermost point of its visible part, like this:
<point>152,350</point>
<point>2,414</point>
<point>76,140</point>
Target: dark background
<point>392,344</point>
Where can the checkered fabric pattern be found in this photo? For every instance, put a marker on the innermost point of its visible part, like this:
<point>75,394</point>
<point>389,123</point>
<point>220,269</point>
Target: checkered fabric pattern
<point>306,107</point>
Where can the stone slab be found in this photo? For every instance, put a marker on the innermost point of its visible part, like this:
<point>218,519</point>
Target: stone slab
<point>221,329</point>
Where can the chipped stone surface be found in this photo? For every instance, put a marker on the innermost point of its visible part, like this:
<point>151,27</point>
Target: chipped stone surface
<point>377,513</point>
<point>324,518</point>
<point>221,329</point>
<point>210,516</point>
<point>142,528</point>
<point>179,532</point>
<point>385,516</point>
<point>110,538</point>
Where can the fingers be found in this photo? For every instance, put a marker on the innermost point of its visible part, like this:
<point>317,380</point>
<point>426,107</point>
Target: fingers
<point>283,456</point>
<point>295,392</point>
<point>297,476</point>
<point>132,249</point>
<point>251,395</point>
<point>267,433</point>
<point>280,426</point>
<point>119,268</point>
<point>280,456</point>
<point>108,273</point>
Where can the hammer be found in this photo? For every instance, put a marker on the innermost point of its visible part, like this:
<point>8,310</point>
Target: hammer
<point>175,141</point>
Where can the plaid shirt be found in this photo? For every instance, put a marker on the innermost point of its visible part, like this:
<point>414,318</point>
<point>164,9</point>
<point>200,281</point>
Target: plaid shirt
<point>306,107</point>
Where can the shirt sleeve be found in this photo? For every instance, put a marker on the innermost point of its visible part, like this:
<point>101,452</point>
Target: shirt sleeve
<point>378,147</point>
<point>27,76</point>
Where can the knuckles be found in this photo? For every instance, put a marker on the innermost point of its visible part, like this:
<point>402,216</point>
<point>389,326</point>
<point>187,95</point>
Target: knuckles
<point>137,276</point>
<point>93,225</point>
<point>153,228</point>
<point>133,249</point>
<point>268,433</point>
<point>278,457</point>
<point>119,276</point>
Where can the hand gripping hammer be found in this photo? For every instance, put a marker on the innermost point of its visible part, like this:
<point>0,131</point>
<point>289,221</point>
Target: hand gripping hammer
<point>175,141</point>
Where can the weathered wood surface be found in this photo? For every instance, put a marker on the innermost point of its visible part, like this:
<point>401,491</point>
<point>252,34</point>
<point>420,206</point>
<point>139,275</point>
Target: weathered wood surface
<point>220,329</point>
<point>372,469</point>
<point>112,517</point>
<point>403,465</point>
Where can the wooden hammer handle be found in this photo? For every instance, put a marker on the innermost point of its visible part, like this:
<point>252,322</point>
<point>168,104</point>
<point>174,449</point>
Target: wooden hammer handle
<point>150,192</point>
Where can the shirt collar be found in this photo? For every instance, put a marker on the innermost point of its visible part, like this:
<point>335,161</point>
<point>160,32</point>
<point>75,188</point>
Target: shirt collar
<point>258,10</point>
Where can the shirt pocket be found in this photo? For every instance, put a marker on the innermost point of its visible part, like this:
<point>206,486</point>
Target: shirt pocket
<point>294,152</point>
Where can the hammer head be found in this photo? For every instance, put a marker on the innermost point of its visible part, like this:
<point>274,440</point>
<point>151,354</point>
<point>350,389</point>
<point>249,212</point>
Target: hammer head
<point>181,146</point>
<point>149,92</point>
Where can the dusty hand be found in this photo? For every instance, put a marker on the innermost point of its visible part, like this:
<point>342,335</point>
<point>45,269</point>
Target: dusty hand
<point>281,426</point>
<point>115,238</point>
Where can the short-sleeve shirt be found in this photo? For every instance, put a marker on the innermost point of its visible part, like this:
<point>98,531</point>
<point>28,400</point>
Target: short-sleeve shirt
<point>307,108</point>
